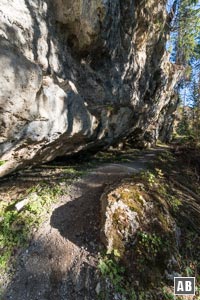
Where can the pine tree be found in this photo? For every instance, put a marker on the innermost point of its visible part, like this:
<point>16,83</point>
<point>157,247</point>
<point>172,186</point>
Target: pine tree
<point>195,94</point>
<point>185,25</point>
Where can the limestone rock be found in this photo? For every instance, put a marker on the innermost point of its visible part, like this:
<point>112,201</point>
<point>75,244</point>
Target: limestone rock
<point>137,226</point>
<point>79,75</point>
<point>83,20</point>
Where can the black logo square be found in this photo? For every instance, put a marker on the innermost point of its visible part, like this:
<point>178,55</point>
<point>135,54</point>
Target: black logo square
<point>184,285</point>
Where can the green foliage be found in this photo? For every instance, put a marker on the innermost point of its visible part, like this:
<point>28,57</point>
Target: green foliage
<point>149,177</point>
<point>110,108</point>
<point>165,157</point>
<point>74,172</point>
<point>174,202</point>
<point>150,244</point>
<point>110,268</point>
<point>186,25</point>
<point>115,155</point>
<point>155,244</point>
<point>167,295</point>
<point>113,271</point>
<point>2,162</point>
<point>15,226</point>
<point>13,234</point>
<point>185,41</point>
<point>188,128</point>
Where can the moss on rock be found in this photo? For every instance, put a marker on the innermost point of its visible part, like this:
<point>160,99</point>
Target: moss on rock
<point>144,219</point>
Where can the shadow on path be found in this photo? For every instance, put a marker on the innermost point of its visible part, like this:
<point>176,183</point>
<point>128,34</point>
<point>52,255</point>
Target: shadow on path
<point>78,220</point>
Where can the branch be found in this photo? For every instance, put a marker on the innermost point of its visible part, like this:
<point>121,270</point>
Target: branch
<point>172,12</point>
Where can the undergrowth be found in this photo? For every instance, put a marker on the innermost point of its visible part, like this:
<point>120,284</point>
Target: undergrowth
<point>152,249</point>
<point>115,276</point>
<point>16,228</point>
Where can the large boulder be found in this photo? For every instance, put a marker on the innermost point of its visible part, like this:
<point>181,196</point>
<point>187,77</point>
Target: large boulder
<point>79,75</point>
<point>146,224</point>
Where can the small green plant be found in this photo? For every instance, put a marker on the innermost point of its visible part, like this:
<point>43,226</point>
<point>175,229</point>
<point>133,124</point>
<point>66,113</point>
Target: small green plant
<point>149,177</point>
<point>13,234</point>
<point>110,108</point>
<point>111,269</point>
<point>174,202</point>
<point>74,172</point>
<point>167,295</point>
<point>166,157</point>
<point>159,173</point>
<point>198,292</point>
<point>2,162</point>
<point>150,244</point>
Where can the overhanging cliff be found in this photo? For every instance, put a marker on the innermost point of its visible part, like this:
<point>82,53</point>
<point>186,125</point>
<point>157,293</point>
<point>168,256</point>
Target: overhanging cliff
<point>80,74</point>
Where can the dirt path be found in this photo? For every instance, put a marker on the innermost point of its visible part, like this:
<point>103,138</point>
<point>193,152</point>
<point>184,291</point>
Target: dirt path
<point>60,263</point>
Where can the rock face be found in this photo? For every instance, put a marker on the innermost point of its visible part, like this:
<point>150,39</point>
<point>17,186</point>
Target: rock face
<point>79,75</point>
